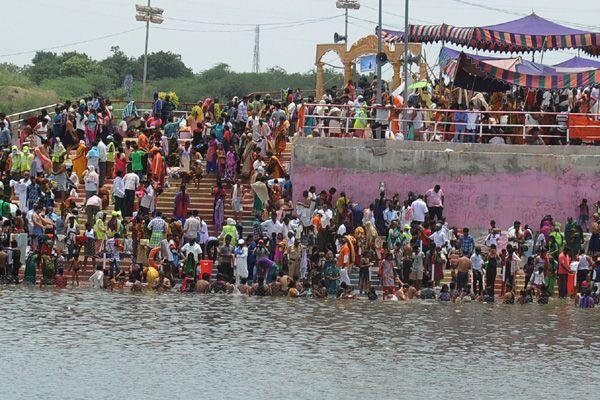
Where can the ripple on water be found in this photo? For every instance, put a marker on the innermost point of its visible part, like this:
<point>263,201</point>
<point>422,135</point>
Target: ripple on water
<point>239,347</point>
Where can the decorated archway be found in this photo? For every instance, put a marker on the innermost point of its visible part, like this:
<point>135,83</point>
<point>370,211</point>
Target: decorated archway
<point>364,46</point>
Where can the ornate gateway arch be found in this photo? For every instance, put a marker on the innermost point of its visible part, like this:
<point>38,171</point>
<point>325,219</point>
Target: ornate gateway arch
<point>364,46</point>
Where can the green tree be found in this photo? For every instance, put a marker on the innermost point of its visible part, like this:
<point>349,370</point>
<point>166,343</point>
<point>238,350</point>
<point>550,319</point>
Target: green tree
<point>77,65</point>
<point>44,65</point>
<point>118,65</point>
<point>165,64</point>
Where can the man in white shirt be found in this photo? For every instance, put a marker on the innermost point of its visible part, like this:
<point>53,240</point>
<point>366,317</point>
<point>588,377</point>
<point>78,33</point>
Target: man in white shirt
<point>439,237</point>
<point>192,248</point>
<point>419,210</point>
<point>326,216</point>
<point>389,215</point>
<point>191,228</point>
<point>477,266</point>
<point>203,236</point>
<point>473,117</point>
<point>147,201</point>
<point>493,237</point>
<point>435,202</point>
<point>118,191</point>
<point>101,161</point>
<point>20,189</point>
<point>130,181</point>
<point>272,226</point>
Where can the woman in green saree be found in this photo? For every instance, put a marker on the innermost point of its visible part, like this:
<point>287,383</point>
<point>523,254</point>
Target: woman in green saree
<point>30,267</point>
<point>331,272</point>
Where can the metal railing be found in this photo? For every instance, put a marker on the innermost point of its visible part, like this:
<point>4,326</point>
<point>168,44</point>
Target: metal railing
<point>433,123</point>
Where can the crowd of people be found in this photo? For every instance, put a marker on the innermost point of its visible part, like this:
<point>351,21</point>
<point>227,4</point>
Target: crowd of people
<point>519,116</point>
<point>313,248</point>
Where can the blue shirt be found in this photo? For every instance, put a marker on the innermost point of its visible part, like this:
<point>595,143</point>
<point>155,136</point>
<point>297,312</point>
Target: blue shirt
<point>458,118</point>
<point>157,108</point>
<point>5,137</point>
<point>467,245</point>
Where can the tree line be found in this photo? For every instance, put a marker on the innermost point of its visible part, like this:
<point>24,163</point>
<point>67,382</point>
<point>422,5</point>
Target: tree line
<point>58,76</point>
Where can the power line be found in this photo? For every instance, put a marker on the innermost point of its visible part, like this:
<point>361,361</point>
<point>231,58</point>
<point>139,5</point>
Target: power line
<point>163,28</point>
<point>302,21</point>
<point>399,15</point>
<point>509,12</point>
<point>72,43</point>
<point>370,21</point>
<point>268,28</point>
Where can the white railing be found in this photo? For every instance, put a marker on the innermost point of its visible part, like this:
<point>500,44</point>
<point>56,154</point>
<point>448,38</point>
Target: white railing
<point>436,127</point>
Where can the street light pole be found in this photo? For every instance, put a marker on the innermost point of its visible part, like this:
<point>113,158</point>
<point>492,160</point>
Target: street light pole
<point>405,66</point>
<point>379,49</point>
<point>146,57</point>
<point>346,24</point>
<point>147,14</point>
<point>347,4</point>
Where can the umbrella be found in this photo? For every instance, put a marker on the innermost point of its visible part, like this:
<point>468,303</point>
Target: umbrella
<point>418,85</point>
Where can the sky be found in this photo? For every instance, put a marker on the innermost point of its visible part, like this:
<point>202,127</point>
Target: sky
<point>209,32</point>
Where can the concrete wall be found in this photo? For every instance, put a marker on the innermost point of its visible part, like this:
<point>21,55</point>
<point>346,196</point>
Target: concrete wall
<point>480,182</point>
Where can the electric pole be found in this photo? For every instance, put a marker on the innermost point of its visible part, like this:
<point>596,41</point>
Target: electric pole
<point>405,66</point>
<point>147,14</point>
<point>256,57</point>
<point>379,49</point>
<point>346,5</point>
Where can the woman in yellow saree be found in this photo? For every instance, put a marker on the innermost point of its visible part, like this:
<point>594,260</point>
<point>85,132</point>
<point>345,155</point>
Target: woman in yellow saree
<point>79,160</point>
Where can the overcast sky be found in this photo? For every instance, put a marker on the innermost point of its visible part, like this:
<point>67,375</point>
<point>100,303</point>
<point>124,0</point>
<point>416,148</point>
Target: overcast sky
<point>29,25</point>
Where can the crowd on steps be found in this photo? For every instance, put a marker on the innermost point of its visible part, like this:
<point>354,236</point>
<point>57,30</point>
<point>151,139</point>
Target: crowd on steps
<point>84,194</point>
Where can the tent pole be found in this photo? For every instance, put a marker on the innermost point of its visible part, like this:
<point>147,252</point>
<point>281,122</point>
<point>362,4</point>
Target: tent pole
<point>543,51</point>
<point>440,66</point>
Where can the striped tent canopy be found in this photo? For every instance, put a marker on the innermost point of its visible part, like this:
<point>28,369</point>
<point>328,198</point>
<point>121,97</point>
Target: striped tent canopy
<point>449,61</point>
<point>530,33</point>
<point>431,34</point>
<point>494,75</point>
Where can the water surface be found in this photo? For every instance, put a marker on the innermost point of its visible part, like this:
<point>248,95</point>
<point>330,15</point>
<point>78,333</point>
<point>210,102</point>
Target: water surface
<point>87,344</point>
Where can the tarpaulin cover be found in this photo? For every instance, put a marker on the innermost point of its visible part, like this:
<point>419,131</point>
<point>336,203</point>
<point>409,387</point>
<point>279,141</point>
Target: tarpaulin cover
<point>489,77</point>
<point>584,128</point>
<point>530,33</point>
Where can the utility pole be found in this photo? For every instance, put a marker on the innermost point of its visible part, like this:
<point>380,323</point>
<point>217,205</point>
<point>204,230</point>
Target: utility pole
<point>147,14</point>
<point>379,111</point>
<point>405,66</point>
<point>346,5</point>
<point>379,49</point>
<point>256,57</point>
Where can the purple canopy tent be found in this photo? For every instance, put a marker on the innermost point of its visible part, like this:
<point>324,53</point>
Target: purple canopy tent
<point>578,62</point>
<point>530,33</point>
<point>491,75</point>
<point>449,58</point>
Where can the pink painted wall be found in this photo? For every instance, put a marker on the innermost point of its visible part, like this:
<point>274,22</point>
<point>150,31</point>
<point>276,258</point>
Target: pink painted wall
<point>470,200</point>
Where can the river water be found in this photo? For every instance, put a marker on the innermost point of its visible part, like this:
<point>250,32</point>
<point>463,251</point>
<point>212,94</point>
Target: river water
<point>87,344</point>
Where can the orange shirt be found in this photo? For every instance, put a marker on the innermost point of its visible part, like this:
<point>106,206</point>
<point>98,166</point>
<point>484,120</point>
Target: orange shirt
<point>316,221</point>
<point>344,256</point>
